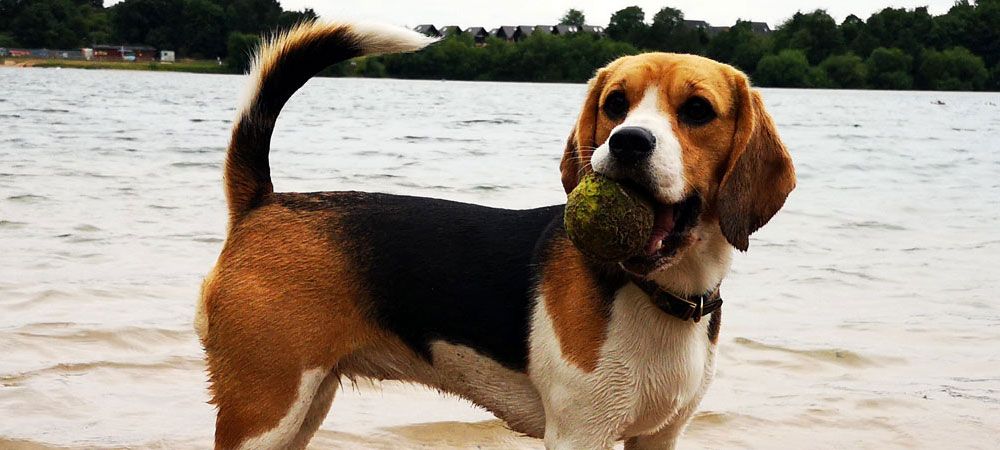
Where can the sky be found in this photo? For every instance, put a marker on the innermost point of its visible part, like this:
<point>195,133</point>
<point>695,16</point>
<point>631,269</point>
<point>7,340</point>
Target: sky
<point>491,14</point>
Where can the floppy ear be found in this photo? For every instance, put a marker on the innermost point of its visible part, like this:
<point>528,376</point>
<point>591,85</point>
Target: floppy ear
<point>581,142</point>
<point>760,174</point>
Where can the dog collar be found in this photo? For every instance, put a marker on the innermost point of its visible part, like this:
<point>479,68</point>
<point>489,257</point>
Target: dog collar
<point>684,308</point>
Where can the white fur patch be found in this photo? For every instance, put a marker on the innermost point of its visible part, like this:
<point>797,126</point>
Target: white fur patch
<point>666,165</point>
<point>283,433</point>
<point>702,267</point>
<point>652,372</point>
<point>504,392</point>
<point>459,370</point>
<point>379,38</point>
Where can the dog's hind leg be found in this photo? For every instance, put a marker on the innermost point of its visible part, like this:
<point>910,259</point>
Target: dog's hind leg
<point>317,410</point>
<point>266,409</point>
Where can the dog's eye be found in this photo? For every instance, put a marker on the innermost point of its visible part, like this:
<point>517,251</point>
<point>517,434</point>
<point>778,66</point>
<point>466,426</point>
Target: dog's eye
<point>616,105</point>
<point>696,111</point>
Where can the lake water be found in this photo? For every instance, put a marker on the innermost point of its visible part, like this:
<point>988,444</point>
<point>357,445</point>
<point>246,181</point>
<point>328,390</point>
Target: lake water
<point>866,314</point>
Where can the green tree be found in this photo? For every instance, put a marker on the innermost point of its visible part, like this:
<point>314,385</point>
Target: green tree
<point>845,71</point>
<point>994,84</point>
<point>153,22</point>
<point>628,25</point>
<point>983,35</point>
<point>288,19</point>
<point>815,33</point>
<point>818,79</point>
<point>856,37</point>
<point>252,16</point>
<point>97,24</point>
<point>954,27</point>
<point>889,68</point>
<point>573,17</point>
<point>909,30</point>
<point>8,10</point>
<point>54,24</point>
<point>203,30</point>
<point>789,68</point>
<point>740,47</point>
<point>668,34</point>
<point>955,69</point>
<point>240,47</point>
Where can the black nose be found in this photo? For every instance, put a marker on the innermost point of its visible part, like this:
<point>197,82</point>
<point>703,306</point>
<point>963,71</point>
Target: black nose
<point>631,144</point>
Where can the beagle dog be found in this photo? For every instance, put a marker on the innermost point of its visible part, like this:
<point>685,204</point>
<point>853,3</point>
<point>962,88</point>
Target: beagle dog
<point>494,305</point>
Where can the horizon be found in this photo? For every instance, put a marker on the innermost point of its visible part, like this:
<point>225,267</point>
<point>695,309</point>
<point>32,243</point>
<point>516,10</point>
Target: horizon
<point>527,12</point>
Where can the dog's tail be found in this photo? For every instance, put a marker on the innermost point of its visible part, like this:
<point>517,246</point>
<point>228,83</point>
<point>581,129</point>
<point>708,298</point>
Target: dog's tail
<point>281,66</point>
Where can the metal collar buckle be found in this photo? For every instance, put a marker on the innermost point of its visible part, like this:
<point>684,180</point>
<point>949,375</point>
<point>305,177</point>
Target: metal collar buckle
<point>694,311</point>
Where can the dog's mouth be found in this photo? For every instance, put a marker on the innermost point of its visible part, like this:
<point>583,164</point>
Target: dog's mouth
<point>672,232</point>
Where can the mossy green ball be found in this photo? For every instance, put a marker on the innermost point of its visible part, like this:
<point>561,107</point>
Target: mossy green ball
<point>606,220</point>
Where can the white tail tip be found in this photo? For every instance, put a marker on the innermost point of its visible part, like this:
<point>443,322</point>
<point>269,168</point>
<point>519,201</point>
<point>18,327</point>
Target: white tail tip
<point>379,38</point>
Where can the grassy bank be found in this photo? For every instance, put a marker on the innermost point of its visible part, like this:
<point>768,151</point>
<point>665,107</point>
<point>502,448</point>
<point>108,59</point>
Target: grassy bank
<point>193,66</point>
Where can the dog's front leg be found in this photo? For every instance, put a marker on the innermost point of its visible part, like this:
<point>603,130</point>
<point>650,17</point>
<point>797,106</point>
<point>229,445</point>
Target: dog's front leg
<point>666,438</point>
<point>584,409</point>
<point>570,425</point>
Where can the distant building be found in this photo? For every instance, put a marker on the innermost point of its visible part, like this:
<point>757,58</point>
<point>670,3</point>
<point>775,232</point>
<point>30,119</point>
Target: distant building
<point>167,56</point>
<point>509,32</point>
<point>124,53</point>
<point>505,32</point>
<point>67,54</point>
<point>428,29</point>
<point>696,25</point>
<point>547,29</point>
<point>479,34</point>
<point>563,30</point>
<point>715,31</point>
<point>755,27</point>
<point>522,32</point>
<point>760,27</point>
<point>450,30</point>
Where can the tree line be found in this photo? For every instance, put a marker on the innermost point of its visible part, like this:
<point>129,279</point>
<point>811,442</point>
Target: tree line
<point>895,48</point>
<point>192,28</point>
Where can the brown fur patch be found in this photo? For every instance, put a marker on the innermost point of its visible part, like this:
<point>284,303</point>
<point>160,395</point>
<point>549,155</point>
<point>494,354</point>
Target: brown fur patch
<point>282,300</point>
<point>573,300</point>
<point>714,325</point>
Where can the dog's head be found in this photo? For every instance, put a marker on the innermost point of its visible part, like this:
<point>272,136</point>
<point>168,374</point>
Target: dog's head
<point>692,134</point>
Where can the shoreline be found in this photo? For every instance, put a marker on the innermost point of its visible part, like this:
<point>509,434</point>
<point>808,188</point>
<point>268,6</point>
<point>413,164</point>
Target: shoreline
<point>188,66</point>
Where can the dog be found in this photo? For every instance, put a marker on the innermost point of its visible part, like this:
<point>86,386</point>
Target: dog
<point>494,305</point>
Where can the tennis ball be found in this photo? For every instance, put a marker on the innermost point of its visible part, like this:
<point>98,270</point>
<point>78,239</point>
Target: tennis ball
<point>606,220</point>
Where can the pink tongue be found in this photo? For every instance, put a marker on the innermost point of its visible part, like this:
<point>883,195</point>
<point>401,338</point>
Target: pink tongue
<point>663,224</point>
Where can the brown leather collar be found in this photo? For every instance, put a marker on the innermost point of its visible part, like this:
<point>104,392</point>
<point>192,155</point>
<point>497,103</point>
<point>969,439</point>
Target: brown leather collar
<point>684,308</point>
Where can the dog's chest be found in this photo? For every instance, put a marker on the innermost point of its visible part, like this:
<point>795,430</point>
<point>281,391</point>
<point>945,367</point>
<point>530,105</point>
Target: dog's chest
<point>650,366</point>
<point>666,361</point>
